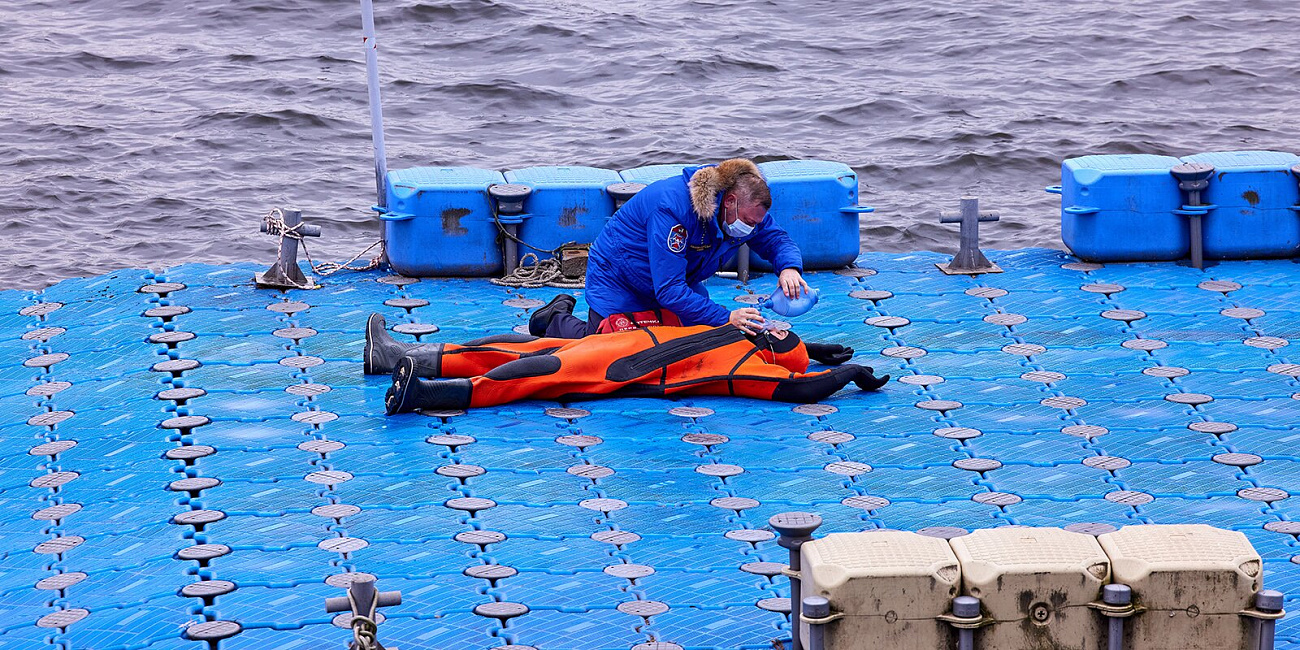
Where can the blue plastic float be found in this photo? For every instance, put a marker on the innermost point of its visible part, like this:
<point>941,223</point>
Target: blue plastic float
<point>1255,200</point>
<point>568,204</point>
<point>816,201</point>
<point>1122,207</point>
<point>1129,208</point>
<point>439,222</point>
<point>651,173</point>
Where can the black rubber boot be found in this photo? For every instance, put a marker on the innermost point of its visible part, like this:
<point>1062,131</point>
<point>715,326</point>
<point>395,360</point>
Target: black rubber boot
<point>409,392</point>
<point>382,352</point>
<point>561,304</point>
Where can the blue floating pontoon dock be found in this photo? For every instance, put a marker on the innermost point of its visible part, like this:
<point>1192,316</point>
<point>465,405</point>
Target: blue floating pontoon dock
<point>188,457</point>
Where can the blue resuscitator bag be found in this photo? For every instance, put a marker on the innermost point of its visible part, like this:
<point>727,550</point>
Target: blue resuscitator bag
<point>779,303</point>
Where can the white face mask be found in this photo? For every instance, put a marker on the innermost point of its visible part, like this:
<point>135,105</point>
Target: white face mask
<point>738,228</point>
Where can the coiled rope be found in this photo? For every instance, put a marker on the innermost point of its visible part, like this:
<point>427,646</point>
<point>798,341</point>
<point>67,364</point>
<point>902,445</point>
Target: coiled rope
<point>540,273</point>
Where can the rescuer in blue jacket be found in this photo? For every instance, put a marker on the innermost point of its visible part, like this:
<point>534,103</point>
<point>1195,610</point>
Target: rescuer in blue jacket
<point>660,247</point>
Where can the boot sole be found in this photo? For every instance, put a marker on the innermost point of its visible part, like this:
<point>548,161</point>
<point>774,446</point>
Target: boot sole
<point>395,399</point>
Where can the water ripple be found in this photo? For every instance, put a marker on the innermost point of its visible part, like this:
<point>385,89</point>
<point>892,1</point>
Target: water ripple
<point>145,133</point>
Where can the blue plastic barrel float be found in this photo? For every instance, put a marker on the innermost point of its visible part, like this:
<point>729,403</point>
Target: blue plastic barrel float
<point>1122,208</point>
<point>568,204</point>
<point>439,222</point>
<point>816,201</point>
<point>1256,201</point>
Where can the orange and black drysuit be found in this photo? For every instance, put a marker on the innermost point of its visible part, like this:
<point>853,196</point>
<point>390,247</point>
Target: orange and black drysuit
<point>650,362</point>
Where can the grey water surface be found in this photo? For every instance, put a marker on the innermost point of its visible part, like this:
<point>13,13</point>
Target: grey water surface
<point>140,133</point>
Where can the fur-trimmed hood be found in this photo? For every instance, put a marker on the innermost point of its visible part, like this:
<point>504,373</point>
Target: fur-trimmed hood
<point>708,183</point>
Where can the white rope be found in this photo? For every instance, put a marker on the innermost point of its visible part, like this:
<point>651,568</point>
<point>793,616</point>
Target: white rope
<point>275,223</point>
<point>540,273</point>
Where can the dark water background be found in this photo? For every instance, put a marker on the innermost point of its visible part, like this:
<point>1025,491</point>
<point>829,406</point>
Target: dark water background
<point>148,133</point>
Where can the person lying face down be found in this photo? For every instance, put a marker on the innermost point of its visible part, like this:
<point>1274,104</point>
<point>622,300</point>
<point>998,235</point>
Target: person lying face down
<point>650,362</point>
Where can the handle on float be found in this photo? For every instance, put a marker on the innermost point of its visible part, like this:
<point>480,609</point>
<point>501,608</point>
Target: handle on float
<point>1079,209</point>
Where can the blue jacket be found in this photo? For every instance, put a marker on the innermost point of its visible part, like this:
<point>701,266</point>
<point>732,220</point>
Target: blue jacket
<point>655,252</point>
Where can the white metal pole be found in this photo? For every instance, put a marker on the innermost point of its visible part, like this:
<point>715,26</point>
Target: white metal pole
<point>376,107</point>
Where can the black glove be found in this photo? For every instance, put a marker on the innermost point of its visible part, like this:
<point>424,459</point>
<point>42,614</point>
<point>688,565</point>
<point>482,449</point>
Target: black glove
<point>831,354</point>
<point>866,379</point>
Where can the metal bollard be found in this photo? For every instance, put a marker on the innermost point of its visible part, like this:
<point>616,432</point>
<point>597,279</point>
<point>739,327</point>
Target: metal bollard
<point>622,192</point>
<point>284,273</point>
<point>1269,603</point>
<point>795,528</point>
<point>291,218</point>
<point>1192,178</point>
<point>508,198</point>
<point>363,601</point>
<point>967,609</point>
<point>1117,596</point>
<point>814,608</point>
<point>969,259</point>
<point>362,590</point>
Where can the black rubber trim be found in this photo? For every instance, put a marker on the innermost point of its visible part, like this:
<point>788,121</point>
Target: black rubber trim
<point>662,355</point>
<point>537,366</point>
<point>501,338</point>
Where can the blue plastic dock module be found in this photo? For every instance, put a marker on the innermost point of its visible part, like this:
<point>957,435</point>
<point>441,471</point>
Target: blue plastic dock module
<point>651,173</point>
<point>1121,208</point>
<point>816,201</point>
<point>439,222</point>
<point>568,204</point>
<point>1255,198</point>
<point>184,458</point>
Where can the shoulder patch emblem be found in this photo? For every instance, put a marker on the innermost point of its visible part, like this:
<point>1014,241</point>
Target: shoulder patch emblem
<point>677,238</point>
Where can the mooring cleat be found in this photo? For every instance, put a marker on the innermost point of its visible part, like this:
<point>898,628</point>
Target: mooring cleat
<point>561,304</point>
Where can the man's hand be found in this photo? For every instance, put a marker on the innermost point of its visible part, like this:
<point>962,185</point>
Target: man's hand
<point>747,319</point>
<point>790,282</point>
